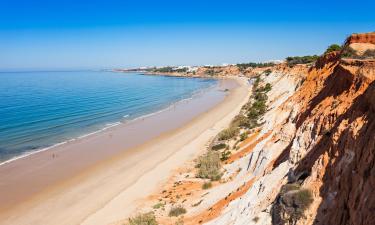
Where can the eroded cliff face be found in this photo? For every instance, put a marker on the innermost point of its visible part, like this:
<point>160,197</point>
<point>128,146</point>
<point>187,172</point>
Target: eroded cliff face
<point>337,153</point>
<point>321,140</point>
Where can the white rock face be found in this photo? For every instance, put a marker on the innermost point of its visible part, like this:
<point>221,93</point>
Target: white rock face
<point>254,206</point>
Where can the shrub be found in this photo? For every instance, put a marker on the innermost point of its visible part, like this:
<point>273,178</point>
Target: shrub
<point>176,211</point>
<point>289,187</point>
<point>369,53</point>
<point>181,70</point>
<point>243,136</point>
<point>228,133</point>
<point>268,87</point>
<point>256,83</point>
<point>253,123</point>
<point>218,146</point>
<point>210,72</point>
<point>158,205</point>
<point>166,69</point>
<point>291,204</point>
<point>267,72</point>
<point>240,121</point>
<point>258,109</point>
<point>206,185</point>
<point>209,166</point>
<point>259,96</point>
<point>256,219</point>
<point>247,106</point>
<point>349,53</point>
<point>225,155</point>
<point>244,66</point>
<point>332,48</point>
<point>143,219</point>
<point>253,113</point>
<point>291,61</point>
<point>303,198</point>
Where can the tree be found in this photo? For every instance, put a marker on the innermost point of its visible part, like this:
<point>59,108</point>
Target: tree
<point>333,48</point>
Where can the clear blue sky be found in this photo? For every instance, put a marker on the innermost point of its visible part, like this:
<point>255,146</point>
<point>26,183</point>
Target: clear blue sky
<point>76,34</point>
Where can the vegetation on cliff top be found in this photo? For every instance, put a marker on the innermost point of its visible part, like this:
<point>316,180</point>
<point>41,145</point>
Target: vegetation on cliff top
<point>333,48</point>
<point>244,66</point>
<point>349,52</point>
<point>291,61</point>
<point>169,69</point>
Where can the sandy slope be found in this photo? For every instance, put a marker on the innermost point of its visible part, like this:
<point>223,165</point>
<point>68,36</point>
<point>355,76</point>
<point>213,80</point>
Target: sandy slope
<point>111,190</point>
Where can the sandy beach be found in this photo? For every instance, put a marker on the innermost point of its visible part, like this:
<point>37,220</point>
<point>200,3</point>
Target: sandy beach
<point>101,179</point>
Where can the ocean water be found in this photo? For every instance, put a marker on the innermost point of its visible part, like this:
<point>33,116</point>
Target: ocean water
<point>41,109</point>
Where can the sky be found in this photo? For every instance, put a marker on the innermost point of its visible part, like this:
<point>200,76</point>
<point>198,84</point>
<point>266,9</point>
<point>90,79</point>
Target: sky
<point>67,34</point>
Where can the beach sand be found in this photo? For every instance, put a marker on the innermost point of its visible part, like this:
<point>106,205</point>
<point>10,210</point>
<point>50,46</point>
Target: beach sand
<point>105,180</point>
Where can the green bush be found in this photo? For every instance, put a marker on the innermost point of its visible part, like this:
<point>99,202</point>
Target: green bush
<point>259,96</point>
<point>333,48</point>
<point>166,69</point>
<point>258,109</point>
<point>268,87</point>
<point>292,204</point>
<point>158,205</point>
<point>228,133</point>
<point>267,72</point>
<point>291,61</point>
<point>260,105</point>
<point>244,66</point>
<point>349,53</point>
<point>263,90</point>
<point>289,187</point>
<point>206,185</point>
<point>243,136</point>
<point>240,121</point>
<point>369,53</point>
<point>210,72</point>
<point>209,166</point>
<point>143,219</point>
<point>176,211</point>
<point>256,83</point>
<point>303,198</point>
<point>218,146</point>
<point>225,155</point>
<point>181,70</point>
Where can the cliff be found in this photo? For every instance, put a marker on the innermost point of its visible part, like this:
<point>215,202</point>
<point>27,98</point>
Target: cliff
<point>361,38</point>
<point>335,155</point>
<point>316,165</point>
<point>304,153</point>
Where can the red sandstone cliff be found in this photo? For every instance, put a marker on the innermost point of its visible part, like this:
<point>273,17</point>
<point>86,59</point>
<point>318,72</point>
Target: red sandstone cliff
<point>336,159</point>
<point>361,38</point>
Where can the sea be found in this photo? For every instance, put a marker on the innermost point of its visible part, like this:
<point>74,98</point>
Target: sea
<point>39,110</point>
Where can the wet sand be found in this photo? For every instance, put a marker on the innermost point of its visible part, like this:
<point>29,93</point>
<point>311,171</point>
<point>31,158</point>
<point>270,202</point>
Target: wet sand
<point>100,178</point>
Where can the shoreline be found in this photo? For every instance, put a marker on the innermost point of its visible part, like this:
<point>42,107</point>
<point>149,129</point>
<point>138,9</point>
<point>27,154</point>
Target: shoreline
<point>109,126</point>
<point>89,193</point>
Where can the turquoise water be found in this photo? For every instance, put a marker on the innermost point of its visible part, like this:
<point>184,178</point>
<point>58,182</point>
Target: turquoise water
<point>40,109</point>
